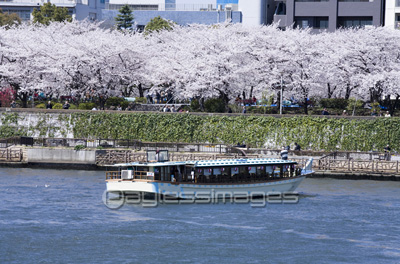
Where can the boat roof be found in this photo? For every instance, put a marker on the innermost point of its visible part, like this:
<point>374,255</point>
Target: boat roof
<point>209,163</point>
<point>246,162</point>
<point>150,164</point>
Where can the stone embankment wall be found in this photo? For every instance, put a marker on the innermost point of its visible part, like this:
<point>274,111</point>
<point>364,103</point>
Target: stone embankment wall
<point>49,155</point>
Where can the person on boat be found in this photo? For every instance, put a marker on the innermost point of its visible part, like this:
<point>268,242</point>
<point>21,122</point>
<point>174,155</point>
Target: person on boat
<point>297,147</point>
<point>157,156</point>
<point>192,176</point>
<point>284,153</point>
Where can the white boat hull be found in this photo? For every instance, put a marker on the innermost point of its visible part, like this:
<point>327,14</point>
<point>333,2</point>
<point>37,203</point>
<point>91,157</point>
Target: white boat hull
<point>204,191</point>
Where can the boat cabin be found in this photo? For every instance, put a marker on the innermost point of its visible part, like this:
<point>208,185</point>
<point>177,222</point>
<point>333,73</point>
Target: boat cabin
<point>158,168</point>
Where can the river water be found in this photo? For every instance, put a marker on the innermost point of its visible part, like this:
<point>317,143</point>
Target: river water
<point>57,216</point>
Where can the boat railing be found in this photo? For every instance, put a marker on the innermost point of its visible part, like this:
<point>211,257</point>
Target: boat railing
<point>136,175</point>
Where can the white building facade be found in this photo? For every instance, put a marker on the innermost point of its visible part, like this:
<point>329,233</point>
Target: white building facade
<point>392,14</point>
<point>78,9</point>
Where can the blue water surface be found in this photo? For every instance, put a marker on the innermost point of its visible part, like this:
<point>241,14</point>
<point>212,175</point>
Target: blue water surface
<point>57,216</point>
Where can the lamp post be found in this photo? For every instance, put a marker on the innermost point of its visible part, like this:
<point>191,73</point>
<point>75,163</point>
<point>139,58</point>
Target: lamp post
<point>280,105</point>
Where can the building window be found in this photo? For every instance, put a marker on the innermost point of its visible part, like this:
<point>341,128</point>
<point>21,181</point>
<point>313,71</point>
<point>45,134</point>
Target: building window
<point>356,0</point>
<point>280,9</point>
<point>170,5</point>
<point>133,7</point>
<point>322,22</point>
<point>312,22</point>
<point>92,16</point>
<point>349,22</point>
<point>311,0</point>
<point>23,14</point>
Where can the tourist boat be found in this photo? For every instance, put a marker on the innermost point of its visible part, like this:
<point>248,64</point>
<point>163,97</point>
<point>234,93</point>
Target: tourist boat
<point>206,178</point>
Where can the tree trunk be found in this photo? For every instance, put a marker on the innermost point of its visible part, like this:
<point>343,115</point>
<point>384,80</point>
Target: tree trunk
<point>278,98</point>
<point>305,105</point>
<point>141,90</point>
<point>348,92</point>
<point>330,92</point>
<point>225,99</point>
<point>251,92</point>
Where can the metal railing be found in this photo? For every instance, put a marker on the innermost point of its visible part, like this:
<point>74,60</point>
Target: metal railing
<point>11,155</point>
<point>122,143</point>
<point>165,7</point>
<point>137,175</point>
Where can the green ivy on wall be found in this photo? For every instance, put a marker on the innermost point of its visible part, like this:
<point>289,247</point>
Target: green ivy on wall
<point>310,132</point>
<point>10,126</point>
<point>316,133</point>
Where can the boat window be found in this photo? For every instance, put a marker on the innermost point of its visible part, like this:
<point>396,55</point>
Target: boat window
<point>252,169</point>
<point>224,171</point>
<point>260,170</point>
<point>217,171</point>
<point>142,168</point>
<point>207,171</point>
<point>157,176</point>
<point>269,169</point>
<point>234,170</point>
<point>164,173</point>
<point>243,170</point>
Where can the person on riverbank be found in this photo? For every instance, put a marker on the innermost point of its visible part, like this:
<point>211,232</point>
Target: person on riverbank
<point>66,105</point>
<point>387,150</point>
<point>325,112</point>
<point>13,104</point>
<point>297,147</point>
<point>284,153</point>
<point>49,105</point>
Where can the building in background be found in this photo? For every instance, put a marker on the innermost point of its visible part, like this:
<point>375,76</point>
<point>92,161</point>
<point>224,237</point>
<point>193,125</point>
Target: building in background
<point>78,9</point>
<point>329,14</point>
<point>392,14</point>
<point>316,14</point>
<point>182,12</point>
